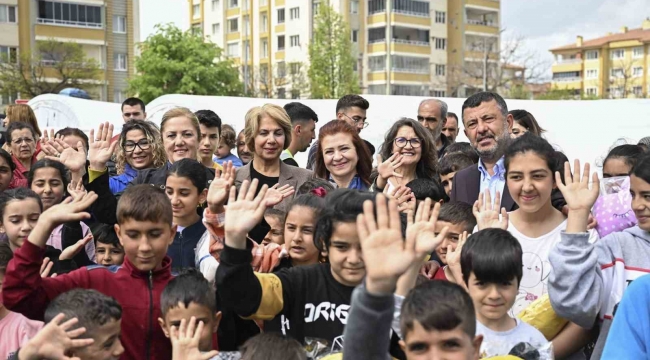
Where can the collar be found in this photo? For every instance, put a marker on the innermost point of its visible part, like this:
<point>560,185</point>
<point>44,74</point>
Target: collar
<point>499,167</point>
<point>19,165</point>
<point>196,229</point>
<point>165,269</point>
<point>130,171</point>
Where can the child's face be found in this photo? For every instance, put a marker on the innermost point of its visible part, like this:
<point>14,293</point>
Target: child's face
<point>530,181</point>
<point>107,344</point>
<point>276,234</point>
<point>145,243</point>
<point>440,345</point>
<point>48,185</point>
<point>345,255</point>
<point>18,220</point>
<point>184,196</point>
<point>201,313</point>
<point>455,230</point>
<point>108,254</point>
<point>491,301</point>
<point>447,182</point>
<point>223,150</point>
<point>299,236</point>
<point>209,141</point>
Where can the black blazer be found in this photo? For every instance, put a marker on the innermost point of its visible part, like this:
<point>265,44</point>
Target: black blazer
<point>467,185</point>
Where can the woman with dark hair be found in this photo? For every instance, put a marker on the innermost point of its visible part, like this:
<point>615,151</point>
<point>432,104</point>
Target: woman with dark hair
<point>342,157</point>
<point>7,168</point>
<point>408,153</point>
<point>621,159</point>
<point>524,122</point>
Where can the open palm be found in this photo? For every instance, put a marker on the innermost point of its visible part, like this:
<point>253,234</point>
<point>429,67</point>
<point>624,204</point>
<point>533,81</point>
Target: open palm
<point>244,212</point>
<point>73,159</point>
<point>54,340</point>
<point>220,186</point>
<point>70,209</point>
<point>100,147</point>
<point>421,229</point>
<point>276,194</point>
<point>575,189</point>
<point>487,213</point>
<point>185,341</point>
<point>386,168</point>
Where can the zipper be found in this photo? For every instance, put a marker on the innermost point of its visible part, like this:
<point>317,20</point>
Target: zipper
<point>150,336</point>
<point>182,254</point>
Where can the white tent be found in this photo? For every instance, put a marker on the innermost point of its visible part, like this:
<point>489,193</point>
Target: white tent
<point>59,111</point>
<point>581,129</point>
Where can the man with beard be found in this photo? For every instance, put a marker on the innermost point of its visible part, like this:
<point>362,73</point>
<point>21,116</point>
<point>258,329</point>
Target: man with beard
<point>450,128</point>
<point>432,114</point>
<point>242,150</point>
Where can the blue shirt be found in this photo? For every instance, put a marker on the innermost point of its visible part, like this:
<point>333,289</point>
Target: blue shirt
<point>235,160</point>
<point>120,182</point>
<point>495,182</point>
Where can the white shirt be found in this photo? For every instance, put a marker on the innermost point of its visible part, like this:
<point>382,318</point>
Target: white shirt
<point>497,343</point>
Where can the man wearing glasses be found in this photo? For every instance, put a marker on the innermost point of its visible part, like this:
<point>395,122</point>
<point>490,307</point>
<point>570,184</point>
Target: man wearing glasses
<point>432,114</point>
<point>351,109</point>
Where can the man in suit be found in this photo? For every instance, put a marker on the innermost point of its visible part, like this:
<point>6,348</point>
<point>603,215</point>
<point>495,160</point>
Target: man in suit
<point>487,126</point>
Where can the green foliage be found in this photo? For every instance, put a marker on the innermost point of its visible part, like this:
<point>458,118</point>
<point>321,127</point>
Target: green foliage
<point>176,62</point>
<point>32,74</point>
<point>558,94</point>
<point>331,72</point>
<point>519,92</point>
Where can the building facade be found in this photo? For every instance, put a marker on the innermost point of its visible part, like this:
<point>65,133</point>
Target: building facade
<point>107,30</point>
<point>403,47</point>
<point>613,66</point>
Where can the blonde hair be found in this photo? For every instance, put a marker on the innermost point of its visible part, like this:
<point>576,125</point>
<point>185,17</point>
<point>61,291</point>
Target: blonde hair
<point>152,134</point>
<point>181,112</point>
<point>254,117</point>
<point>23,113</point>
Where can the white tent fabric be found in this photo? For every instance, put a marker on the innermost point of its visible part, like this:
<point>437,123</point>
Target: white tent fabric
<point>581,129</point>
<point>58,111</point>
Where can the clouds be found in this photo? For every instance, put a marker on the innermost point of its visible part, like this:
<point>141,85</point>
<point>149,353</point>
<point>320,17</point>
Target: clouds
<point>154,12</point>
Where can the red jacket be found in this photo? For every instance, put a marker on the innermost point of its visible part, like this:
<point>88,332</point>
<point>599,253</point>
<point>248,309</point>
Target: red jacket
<point>25,292</point>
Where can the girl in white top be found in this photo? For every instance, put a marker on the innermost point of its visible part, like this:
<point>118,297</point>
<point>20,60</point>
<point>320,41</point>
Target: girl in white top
<point>530,163</point>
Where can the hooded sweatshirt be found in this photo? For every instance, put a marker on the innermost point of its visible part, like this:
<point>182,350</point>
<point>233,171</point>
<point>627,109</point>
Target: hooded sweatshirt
<point>25,292</point>
<point>588,280</point>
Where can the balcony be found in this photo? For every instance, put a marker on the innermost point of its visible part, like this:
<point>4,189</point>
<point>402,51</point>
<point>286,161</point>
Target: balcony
<point>567,61</point>
<point>84,24</point>
<point>405,7</point>
<point>567,79</point>
<point>482,22</point>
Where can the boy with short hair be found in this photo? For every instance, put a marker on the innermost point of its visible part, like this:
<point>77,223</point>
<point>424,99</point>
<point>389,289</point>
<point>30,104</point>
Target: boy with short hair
<point>458,218</point>
<point>188,295</point>
<point>492,266</point>
<point>275,218</point>
<point>427,188</point>
<point>272,346</point>
<point>99,314</point>
<point>210,125</point>
<point>144,227</point>
<point>227,142</point>
<point>107,245</point>
<point>449,166</point>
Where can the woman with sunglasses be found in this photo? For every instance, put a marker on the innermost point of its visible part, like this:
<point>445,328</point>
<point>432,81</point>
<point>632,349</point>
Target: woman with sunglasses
<point>139,148</point>
<point>408,153</point>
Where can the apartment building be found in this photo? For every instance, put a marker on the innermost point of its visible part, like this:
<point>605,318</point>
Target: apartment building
<point>403,47</point>
<point>612,66</point>
<point>107,30</point>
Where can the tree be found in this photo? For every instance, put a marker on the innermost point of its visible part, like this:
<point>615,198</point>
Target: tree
<point>177,62</point>
<point>53,67</point>
<point>331,71</point>
<point>286,81</point>
<point>623,78</point>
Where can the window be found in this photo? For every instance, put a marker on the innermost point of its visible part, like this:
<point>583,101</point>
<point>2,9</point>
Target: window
<point>441,44</point>
<point>294,40</point>
<point>411,7</point>
<point>8,53</point>
<point>354,6</point>
<point>263,2</point>
<point>377,63</point>
<point>618,54</point>
<point>280,42</point>
<point>119,24</point>
<point>50,12</point>
<point>441,17</point>
<point>232,50</point>
<point>120,62</point>
<point>616,73</point>
<point>196,11</point>
<point>7,14</point>
<point>637,90</point>
<point>592,74</point>
<point>247,24</point>
<point>118,96</point>
<point>439,93</point>
<point>233,25</point>
<point>294,13</point>
<point>264,22</point>
<point>282,69</point>
<point>409,90</point>
<point>295,93</point>
<point>592,55</point>
<point>355,36</point>
<point>280,16</point>
<point>440,70</point>
<point>233,3</point>
<point>294,68</point>
<point>637,52</point>
<point>282,93</point>
<point>411,64</point>
<point>197,29</point>
<point>566,76</point>
<point>215,5</point>
<point>314,7</point>
<point>264,48</point>
<point>216,28</point>
<point>592,91</point>
<point>637,71</point>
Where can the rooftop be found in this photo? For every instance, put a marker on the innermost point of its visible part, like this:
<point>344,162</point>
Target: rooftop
<point>641,34</point>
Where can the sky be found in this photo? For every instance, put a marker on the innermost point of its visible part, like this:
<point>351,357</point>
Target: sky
<point>542,24</point>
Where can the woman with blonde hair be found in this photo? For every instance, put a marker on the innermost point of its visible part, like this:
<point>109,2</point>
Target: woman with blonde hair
<point>267,134</point>
<point>22,113</point>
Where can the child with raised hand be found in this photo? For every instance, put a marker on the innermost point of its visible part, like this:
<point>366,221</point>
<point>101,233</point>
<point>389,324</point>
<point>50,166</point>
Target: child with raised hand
<point>145,231</point>
<point>491,263</point>
<point>186,188</point>
<point>589,279</point>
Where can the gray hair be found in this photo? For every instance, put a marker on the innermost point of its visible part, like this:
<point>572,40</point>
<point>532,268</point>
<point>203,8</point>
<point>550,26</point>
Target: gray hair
<point>443,108</point>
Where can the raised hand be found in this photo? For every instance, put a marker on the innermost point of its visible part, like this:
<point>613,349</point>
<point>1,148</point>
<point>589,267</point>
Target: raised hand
<point>577,193</point>
<point>72,250</point>
<point>46,268</point>
<point>244,213</point>
<point>487,213</point>
<point>429,269</point>
<point>276,194</point>
<point>73,159</point>
<point>453,259</point>
<point>100,147</point>
<point>386,169</point>
<point>421,228</point>
<point>76,189</point>
<point>185,341</point>
<point>54,341</point>
<point>71,209</point>
<point>220,187</point>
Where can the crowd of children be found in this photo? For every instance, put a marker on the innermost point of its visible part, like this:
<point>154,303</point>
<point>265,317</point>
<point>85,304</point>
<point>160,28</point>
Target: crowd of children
<point>190,252</point>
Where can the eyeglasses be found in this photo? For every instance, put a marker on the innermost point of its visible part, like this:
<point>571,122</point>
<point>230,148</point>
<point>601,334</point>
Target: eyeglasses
<point>428,119</point>
<point>401,142</point>
<point>21,140</point>
<point>143,144</point>
<point>358,121</point>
